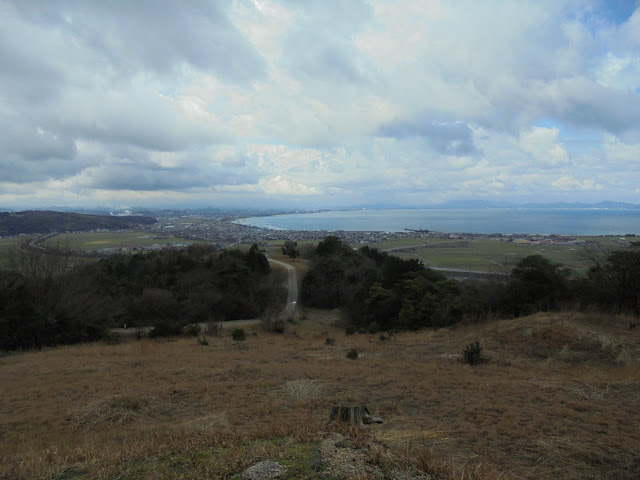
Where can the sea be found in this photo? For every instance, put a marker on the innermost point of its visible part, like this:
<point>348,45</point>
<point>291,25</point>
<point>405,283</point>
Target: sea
<point>562,221</point>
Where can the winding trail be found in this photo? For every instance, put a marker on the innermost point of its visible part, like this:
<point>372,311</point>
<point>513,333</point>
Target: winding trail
<point>292,288</point>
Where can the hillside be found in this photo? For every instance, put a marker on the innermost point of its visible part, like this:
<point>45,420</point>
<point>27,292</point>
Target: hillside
<point>34,222</point>
<point>558,399</point>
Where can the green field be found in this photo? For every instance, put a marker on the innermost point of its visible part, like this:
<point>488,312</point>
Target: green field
<point>88,241</point>
<point>474,254</point>
<point>491,255</point>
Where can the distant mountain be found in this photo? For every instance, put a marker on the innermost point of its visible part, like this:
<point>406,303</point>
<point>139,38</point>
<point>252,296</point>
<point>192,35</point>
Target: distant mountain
<point>31,222</point>
<point>472,204</point>
<point>611,205</point>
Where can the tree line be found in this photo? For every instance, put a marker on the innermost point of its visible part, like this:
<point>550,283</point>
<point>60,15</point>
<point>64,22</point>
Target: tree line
<point>46,300</point>
<point>36,221</point>
<point>381,291</point>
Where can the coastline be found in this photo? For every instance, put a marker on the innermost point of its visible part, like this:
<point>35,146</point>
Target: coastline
<point>487,221</point>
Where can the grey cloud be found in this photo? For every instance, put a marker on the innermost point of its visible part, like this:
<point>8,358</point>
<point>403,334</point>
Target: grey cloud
<point>137,117</point>
<point>338,17</point>
<point>320,45</point>
<point>25,76</point>
<point>331,62</point>
<point>158,35</point>
<point>32,143</point>
<point>139,179</point>
<point>28,153</point>
<point>584,103</point>
<point>15,170</point>
<point>449,138</point>
<point>141,174</point>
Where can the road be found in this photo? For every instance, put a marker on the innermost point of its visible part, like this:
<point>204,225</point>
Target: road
<point>292,288</point>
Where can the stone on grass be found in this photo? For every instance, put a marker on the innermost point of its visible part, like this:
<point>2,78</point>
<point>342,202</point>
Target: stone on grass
<point>265,470</point>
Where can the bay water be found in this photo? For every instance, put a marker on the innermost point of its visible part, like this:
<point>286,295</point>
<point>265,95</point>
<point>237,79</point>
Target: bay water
<point>563,221</point>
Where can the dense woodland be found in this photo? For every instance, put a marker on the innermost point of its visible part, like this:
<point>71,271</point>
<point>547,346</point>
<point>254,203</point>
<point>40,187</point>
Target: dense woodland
<point>42,222</point>
<point>382,292</point>
<point>45,301</point>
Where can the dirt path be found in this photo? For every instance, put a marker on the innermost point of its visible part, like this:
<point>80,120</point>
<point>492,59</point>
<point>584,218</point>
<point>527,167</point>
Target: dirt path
<point>292,288</point>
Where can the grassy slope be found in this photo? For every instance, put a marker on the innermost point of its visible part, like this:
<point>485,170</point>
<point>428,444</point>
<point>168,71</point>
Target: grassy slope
<point>559,399</point>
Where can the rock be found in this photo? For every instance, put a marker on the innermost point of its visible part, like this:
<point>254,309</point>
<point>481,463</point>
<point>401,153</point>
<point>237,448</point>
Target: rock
<point>265,470</point>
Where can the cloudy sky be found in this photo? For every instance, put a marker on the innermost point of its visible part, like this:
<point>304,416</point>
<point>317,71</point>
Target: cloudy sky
<point>316,103</point>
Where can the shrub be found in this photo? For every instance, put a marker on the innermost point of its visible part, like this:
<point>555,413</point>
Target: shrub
<point>329,341</point>
<point>202,340</point>
<point>290,249</point>
<point>351,329</point>
<point>238,334</point>
<point>273,324</point>
<point>165,328</point>
<point>192,330</point>
<point>352,354</point>
<point>110,338</point>
<point>472,354</point>
<point>278,326</point>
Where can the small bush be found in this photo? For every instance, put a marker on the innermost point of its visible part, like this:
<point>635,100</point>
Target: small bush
<point>352,354</point>
<point>238,334</point>
<point>351,329</point>
<point>202,340</point>
<point>330,341</point>
<point>192,330</point>
<point>273,324</point>
<point>165,328</point>
<point>472,354</point>
<point>278,326</point>
<point>110,338</point>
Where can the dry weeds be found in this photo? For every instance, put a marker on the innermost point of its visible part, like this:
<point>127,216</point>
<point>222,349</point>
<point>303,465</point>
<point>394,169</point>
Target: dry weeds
<point>559,399</point>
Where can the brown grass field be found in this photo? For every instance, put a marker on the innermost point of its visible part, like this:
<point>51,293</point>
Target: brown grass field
<point>559,398</point>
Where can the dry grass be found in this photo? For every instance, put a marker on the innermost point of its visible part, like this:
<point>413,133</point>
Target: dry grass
<point>559,399</point>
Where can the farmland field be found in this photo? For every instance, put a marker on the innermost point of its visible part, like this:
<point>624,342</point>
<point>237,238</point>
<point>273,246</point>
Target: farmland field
<point>473,254</point>
<point>492,255</point>
<point>89,241</point>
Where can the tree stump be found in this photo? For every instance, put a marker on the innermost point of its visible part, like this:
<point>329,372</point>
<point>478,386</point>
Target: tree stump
<point>357,415</point>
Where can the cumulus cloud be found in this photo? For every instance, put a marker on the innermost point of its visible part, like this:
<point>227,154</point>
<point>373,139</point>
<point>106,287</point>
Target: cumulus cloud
<point>571,183</point>
<point>542,143</point>
<point>360,102</point>
<point>282,186</point>
<point>157,36</point>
